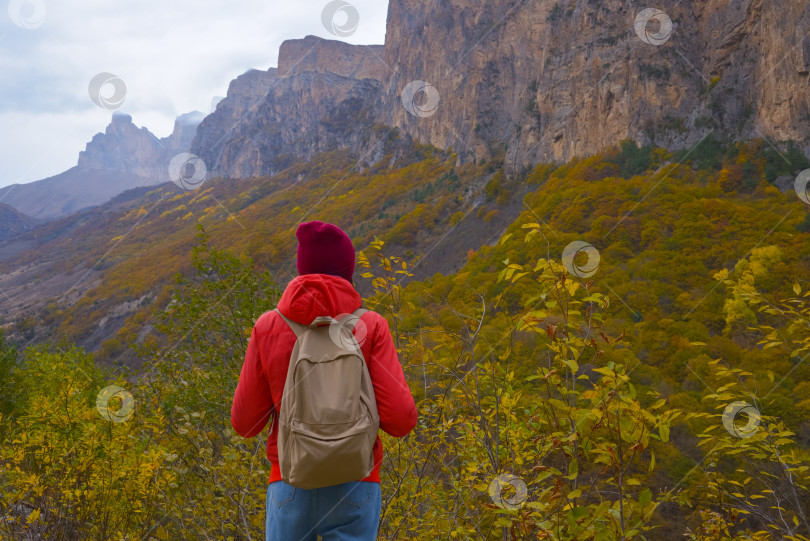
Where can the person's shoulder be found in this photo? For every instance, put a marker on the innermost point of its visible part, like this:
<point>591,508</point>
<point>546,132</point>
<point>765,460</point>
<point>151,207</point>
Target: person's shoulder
<point>268,322</point>
<point>374,320</point>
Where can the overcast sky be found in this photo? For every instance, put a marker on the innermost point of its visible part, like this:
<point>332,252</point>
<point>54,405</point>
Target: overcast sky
<point>173,56</point>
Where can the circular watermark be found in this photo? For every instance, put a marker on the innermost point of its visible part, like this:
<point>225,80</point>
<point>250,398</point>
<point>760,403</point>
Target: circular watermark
<point>802,186</point>
<point>511,502</point>
<point>28,14</point>
<point>188,171</point>
<point>100,87</point>
<point>731,413</point>
<point>644,26</point>
<point>340,18</point>
<point>343,338</point>
<point>422,107</point>
<point>103,402</point>
<point>572,251</point>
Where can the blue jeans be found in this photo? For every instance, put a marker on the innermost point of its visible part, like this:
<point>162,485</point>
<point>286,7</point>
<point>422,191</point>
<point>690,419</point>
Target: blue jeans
<point>347,512</point>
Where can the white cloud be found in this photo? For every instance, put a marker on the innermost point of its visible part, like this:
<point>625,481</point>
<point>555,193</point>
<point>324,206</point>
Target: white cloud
<point>173,56</point>
<point>40,145</point>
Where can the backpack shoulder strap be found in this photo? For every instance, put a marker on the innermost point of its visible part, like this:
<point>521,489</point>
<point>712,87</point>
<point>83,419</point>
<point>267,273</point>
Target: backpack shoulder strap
<point>297,328</point>
<point>355,317</point>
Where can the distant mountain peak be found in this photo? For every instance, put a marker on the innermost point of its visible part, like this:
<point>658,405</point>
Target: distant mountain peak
<point>123,147</point>
<point>192,118</point>
<point>123,157</point>
<point>121,118</point>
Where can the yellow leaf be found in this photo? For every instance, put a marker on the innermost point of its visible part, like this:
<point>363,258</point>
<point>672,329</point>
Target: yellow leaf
<point>33,516</point>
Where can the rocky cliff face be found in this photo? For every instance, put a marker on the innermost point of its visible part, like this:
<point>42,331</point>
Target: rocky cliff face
<point>185,128</point>
<point>556,79</point>
<point>121,158</point>
<point>329,56</point>
<point>125,147</point>
<point>544,80</point>
<point>323,96</point>
<point>245,94</point>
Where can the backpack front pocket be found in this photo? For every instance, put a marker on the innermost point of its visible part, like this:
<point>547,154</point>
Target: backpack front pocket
<point>333,453</point>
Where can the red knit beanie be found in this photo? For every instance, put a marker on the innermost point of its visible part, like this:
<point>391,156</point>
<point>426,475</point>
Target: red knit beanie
<point>324,249</point>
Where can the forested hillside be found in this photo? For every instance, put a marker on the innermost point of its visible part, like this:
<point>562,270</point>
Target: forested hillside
<point>648,381</point>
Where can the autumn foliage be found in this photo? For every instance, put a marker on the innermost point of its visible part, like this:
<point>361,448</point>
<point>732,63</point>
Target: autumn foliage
<point>553,404</point>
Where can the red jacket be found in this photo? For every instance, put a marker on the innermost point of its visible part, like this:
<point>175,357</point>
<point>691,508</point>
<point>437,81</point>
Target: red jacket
<point>261,383</point>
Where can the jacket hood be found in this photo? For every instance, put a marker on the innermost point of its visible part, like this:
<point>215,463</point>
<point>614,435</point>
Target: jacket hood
<point>312,295</point>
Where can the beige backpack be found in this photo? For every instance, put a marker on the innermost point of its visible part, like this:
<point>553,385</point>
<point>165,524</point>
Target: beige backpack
<point>328,418</point>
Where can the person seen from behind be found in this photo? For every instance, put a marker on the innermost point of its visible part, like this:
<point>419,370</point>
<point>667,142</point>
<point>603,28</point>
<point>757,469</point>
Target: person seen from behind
<point>312,305</point>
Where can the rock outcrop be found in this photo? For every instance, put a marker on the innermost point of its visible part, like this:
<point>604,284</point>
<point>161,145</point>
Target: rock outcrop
<point>245,94</point>
<point>121,158</point>
<point>554,79</point>
<point>126,148</point>
<point>185,128</point>
<point>543,80</point>
<point>328,56</point>
<point>323,96</point>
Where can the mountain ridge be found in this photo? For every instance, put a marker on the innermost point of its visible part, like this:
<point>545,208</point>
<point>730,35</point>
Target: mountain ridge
<point>121,158</point>
<point>14,222</point>
<point>548,81</point>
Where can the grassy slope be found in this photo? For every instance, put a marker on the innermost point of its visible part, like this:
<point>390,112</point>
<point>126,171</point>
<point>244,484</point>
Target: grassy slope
<point>661,236</point>
<point>131,250</point>
<point>663,230</point>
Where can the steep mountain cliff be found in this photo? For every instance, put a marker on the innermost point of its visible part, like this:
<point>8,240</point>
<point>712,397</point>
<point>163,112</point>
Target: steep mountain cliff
<point>127,148</point>
<point>544,80</point>
<point>121,158</point>
<point>557,79</point>
<point>539,81</point>
<point>323,95</point>
<point>123,147</point>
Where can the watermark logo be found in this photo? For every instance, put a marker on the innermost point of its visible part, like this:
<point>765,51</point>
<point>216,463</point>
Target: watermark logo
<point>124,412</point>
<point>734,410</point>
<point>188,171</point>
<point>514,501</point>
<point>28,14</point>
<point>341,334</point>
<point>645,24</point>
<point>802,185</point>
<point>420,99</point>
<point>107,90</point>
<point>585,270</point>
<point>340,18</point>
